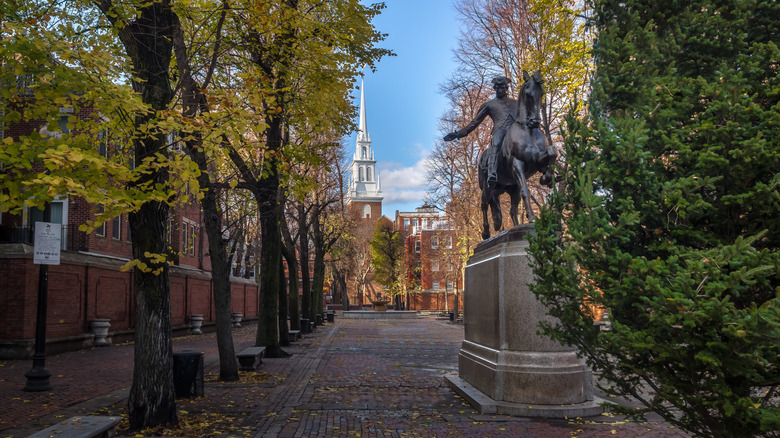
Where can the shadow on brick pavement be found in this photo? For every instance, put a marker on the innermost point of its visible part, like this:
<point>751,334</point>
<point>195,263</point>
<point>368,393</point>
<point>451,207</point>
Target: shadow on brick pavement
<point>349,378</point>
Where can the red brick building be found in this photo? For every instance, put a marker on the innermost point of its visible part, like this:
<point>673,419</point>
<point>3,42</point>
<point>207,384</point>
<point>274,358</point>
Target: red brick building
<point>433,267</point>
<point>88,283</point>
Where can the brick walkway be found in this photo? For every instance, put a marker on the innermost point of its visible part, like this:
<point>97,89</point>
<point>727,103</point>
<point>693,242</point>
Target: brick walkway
<point>352,378</point>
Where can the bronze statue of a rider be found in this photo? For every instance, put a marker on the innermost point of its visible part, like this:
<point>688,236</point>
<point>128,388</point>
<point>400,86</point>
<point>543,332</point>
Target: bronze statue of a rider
<point>501,110</point>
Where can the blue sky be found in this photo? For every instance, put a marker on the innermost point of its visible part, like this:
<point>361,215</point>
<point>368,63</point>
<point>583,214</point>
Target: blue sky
<point>403,102</point>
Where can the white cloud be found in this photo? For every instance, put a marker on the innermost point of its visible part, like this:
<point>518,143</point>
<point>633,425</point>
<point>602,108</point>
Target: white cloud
<point>404,186</point>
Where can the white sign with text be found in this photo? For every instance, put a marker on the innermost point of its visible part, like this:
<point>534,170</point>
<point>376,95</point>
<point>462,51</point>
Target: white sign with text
<point>48,239</point>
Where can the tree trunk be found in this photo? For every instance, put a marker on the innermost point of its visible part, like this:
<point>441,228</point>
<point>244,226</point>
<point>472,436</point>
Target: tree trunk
<point>193,103</point>
<point>292,272</point>
<point>271,245</point>
<point>220,274</point>
<point>319,263</point>
<point>152,399</point>
<point>284,329</point>
<point>303,249</point>
<point>342,280</point>
<point>147,41</point>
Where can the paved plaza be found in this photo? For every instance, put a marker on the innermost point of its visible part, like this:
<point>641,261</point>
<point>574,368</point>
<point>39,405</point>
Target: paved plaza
<point>351,378</point>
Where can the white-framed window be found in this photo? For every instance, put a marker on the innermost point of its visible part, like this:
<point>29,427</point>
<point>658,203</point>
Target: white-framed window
<point>116,227</point>
<point>449,285</point>
<point>184,234</point>
<point>369,174</point>
<point>367,211</point>
<point>360,173</point>
<point>101,230</point>
<point>435,265</point>
<point>189,235</point>
<point>448,242</point>
<point>417,246</point>
<point>406,224</point>
<point>435,285</point>
<point>434,242</point>
<point>450,266</point>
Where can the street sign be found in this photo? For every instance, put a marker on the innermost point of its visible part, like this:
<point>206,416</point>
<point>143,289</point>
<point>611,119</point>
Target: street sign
<point>48,238</point>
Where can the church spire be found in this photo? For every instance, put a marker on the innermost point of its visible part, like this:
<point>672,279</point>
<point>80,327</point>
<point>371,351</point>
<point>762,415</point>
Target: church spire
<point>363,126</point>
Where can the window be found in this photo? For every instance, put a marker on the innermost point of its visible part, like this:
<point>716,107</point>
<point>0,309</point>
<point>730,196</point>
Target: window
<point>435,242</point>
<point>435,265</point>
<point>184,234</point>
<point>116,227</point>
<point>449,285</point>
<point>101,230</point>
<point>367,211</point>
<point>193,237</point>
<point>449,242</point>
<point>406,224</point>
<point>449,266</point>
<point>128,230</point>
<point>360,173</point>
<point>365,152</point>
<point>369,174</point>
<point>435,285</point>
<point>102,149</point>
<point>417,246</point>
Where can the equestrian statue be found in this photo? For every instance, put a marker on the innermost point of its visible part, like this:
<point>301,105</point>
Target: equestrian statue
<point>518,149</point>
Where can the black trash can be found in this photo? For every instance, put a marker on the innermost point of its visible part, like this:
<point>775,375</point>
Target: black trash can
<point>331,316</point>
<point>318,318</point>
<point>305,327</point>
<point>452,316</point>
<point>188,373</point>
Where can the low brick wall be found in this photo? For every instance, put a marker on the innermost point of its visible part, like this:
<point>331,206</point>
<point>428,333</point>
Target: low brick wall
<point>85,287</point>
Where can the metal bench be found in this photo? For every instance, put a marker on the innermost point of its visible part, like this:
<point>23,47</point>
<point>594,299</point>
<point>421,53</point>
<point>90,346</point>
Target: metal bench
<point>248,356</point>
<point>81,427</point>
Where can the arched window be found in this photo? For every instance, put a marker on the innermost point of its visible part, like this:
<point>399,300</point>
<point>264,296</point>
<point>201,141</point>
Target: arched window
<point>367,211</point>
<point>360,173</point>
<point>365,152</point>
<point>369,176</point>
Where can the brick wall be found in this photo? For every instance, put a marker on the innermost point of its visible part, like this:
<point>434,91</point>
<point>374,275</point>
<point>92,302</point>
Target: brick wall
<point>86,287</point>
<point>435,301</point>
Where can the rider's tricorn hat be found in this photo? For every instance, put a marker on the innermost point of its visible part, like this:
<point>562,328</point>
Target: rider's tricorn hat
<point>501,81</point>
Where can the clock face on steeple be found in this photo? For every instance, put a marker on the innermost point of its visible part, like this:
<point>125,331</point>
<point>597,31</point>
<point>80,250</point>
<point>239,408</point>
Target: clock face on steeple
<point>365,190</point>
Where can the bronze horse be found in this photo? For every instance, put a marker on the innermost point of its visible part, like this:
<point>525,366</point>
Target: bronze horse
<point>524,152</point>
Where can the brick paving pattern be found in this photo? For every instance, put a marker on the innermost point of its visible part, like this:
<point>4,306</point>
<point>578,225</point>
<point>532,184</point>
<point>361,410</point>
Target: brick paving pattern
<point>367,378</point>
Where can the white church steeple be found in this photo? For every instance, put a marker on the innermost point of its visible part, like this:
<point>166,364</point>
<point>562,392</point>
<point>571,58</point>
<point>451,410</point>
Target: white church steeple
<point>363,135</point>
<point>364,188</point>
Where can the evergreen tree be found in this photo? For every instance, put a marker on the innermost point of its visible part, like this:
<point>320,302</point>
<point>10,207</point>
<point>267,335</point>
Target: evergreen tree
<point>670,215</point>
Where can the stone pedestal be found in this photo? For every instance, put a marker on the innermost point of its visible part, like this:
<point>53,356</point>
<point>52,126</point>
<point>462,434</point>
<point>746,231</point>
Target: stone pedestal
<point>503,363</point>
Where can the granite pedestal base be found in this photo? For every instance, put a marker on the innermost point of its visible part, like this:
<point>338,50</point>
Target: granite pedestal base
<point>502,356</point>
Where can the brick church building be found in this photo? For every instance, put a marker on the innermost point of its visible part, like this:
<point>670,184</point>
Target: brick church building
<point>430,259</point>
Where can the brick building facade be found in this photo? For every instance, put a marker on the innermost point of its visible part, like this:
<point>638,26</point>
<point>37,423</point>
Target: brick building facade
<point>88,283</point>
<point>432,261</point>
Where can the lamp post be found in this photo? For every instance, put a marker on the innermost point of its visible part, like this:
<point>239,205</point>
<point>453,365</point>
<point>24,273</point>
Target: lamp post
<point>38,376</point>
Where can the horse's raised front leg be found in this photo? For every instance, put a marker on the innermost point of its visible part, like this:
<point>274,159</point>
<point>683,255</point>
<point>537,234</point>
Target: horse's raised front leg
<point>519,175</point>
